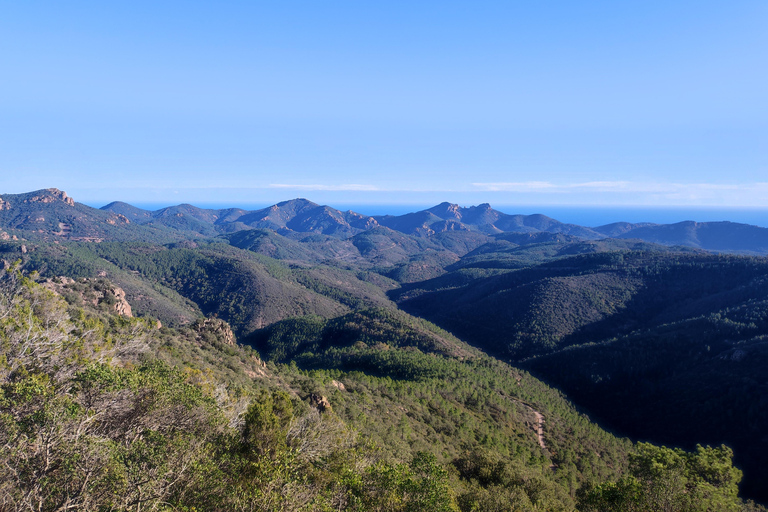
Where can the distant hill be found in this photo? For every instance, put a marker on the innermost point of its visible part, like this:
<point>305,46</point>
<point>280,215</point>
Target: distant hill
<point>711,236</point>
<point>296,215</point>
<point>304,216</point>
<point>483,218</point>
<point>133,213</point>
<point>537,309</point>
<point>51,214</point>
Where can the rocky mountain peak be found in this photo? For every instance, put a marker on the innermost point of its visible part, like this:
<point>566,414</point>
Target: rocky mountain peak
<point>447,211</point>
<point>50,195</point>
<point>297,204</point>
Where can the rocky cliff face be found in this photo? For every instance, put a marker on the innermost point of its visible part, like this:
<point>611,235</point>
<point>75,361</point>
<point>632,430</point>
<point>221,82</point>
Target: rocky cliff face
<point>118,218</point>
<point>4,205</point>
<point>320,403</point>
<point>97,292</point>
<point>50,195</point>
<point>216,328</point>
<point>121,306</point>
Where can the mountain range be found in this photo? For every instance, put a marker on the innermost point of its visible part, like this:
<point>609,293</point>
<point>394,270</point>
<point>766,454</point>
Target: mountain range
<point>51,213</point>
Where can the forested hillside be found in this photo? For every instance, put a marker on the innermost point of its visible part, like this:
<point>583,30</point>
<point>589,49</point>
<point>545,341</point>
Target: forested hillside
<point>101,412</point>
<point>401,345</point>
<point>663,346</point>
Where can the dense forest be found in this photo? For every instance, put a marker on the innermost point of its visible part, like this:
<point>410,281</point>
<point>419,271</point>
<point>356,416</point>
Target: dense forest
<point>302,359</point>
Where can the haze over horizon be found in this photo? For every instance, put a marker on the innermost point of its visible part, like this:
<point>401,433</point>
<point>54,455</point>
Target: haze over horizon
<point>632,105</point>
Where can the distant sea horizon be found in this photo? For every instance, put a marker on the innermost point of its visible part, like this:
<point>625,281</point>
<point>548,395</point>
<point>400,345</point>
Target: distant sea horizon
<point>589,216</point>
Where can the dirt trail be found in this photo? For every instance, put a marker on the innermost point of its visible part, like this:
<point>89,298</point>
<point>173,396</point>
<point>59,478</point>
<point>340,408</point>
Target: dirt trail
<point>64,229</point>
<point>540,428</point>
<point>539,423</point>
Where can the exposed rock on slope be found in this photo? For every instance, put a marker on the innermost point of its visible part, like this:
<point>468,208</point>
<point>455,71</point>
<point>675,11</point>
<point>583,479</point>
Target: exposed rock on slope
<point>49,195</point>
<point>216,327</point>
<point>50,214</point>
<point>94,291</point>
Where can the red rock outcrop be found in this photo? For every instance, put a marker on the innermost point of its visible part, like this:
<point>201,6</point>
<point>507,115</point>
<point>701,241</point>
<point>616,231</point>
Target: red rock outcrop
<point>50,195</point>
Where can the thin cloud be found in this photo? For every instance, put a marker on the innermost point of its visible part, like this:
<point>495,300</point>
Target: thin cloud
<point>714,186</point>
<point>520,186</point>
<point>636,192</point>
<point>356,187</point>
<point>343,187</point>
<point>611,186</point>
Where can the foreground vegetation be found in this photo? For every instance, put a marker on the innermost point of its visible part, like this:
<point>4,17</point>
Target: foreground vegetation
<point>377,411</point>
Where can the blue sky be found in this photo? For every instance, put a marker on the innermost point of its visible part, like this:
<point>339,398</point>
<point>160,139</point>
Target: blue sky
<point>539,103</point>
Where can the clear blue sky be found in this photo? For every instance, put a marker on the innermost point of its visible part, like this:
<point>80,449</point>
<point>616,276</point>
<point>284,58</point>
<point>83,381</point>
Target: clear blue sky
<point>348,102</point>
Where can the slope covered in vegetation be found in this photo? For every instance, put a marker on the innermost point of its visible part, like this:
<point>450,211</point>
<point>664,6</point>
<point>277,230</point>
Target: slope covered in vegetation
<point>99,411</point>
<point>658,342</point>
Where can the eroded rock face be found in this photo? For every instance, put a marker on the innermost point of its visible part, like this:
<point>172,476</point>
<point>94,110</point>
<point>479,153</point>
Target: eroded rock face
<point>121,307</point>
<point>91,291</point>
<point>4,205</point>
<point>217,327</point>
<point>50,195</point>
<point>118,218</point>
<point>320,402</point>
